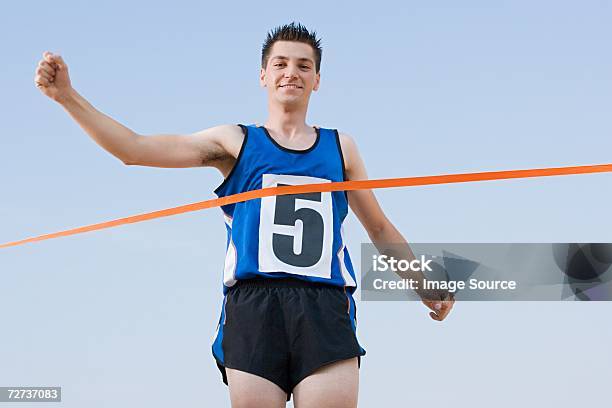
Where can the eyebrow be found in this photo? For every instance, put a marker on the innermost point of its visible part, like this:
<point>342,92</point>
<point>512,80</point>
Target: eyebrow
<point>282,57</point>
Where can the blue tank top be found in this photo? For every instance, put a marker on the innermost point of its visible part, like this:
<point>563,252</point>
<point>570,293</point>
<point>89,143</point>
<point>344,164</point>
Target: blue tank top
<point>298,235</point>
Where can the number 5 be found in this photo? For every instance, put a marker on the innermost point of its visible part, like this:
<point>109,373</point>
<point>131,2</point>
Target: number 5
<point>296,230</point>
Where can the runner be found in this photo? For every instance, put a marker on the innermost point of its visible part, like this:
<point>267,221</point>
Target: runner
<point>288,319</point>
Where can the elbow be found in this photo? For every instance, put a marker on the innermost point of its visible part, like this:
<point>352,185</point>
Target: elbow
<point>377,231</point>
<point>128,156</point>
<point>128,161</point>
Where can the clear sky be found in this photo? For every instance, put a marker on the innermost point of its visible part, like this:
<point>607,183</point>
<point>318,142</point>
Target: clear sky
<point>124,317</point>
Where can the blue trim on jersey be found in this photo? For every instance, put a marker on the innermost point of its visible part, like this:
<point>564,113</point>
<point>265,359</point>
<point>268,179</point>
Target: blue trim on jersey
<point>217,347</point>
<point>353,317</point>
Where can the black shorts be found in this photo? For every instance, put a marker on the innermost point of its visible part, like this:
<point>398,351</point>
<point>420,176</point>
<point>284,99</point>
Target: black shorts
<point>285,329</point>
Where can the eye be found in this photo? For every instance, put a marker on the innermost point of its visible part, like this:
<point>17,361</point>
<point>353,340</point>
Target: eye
<point>278,64</point>
<point>305,67</point>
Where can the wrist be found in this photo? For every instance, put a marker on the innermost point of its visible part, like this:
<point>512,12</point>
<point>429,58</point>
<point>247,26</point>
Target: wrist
<point>432,295</point>
<point>65,98</point>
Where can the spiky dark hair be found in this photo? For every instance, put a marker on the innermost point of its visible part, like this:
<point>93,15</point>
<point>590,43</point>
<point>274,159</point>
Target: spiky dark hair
<point>292,32</point>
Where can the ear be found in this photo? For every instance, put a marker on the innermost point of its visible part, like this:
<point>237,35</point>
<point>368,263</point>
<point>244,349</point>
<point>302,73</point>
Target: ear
<point>262,78</point>
<point>317,82</point>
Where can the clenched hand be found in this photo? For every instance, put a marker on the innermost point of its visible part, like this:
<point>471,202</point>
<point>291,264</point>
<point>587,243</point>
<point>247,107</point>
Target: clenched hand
<point>52,76</point>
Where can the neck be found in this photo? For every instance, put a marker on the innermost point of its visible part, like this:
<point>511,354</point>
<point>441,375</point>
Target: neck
<point>287,120</point>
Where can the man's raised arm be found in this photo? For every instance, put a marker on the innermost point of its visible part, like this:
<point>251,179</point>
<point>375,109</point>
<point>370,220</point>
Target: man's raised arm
<point>211,147</point>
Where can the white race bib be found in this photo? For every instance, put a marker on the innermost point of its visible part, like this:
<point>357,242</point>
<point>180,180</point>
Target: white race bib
<point>296,231</point>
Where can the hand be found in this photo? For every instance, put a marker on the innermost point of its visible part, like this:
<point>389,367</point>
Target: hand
<point>52,76</point>
<point>441,308</point>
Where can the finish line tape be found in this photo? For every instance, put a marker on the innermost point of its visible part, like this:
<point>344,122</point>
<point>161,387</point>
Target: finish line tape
<point>325,187</point>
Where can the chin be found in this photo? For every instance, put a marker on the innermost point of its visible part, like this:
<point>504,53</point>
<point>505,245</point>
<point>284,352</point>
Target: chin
<point>289,99</point>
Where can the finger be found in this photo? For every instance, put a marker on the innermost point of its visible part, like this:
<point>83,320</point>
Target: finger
<point>41,81</point>
<point>55,60</point>
<point>58,61</point>
<point>435,305</point>
<point>45,66</point>
<point>48,58</point>
<point>442,314</point>
<point>450,303</point>
<point>44,74</point>
<point>430,304</point>
<point>446,308</point>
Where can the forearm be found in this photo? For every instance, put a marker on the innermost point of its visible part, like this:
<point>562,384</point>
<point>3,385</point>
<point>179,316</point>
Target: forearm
<point>389,241</point>
<point>112,136</point>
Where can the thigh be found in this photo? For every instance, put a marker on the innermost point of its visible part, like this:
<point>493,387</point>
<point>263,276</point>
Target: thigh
<point>251,391</point>
<point>333,385</point>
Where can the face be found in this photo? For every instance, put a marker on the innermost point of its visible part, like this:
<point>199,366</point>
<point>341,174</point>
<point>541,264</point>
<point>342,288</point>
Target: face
<point>290,73</point>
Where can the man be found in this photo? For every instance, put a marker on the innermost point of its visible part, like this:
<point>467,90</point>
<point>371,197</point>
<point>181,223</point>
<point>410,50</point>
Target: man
<point>288,319</point>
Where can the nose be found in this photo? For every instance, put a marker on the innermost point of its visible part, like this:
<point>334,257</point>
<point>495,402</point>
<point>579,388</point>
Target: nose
<point>291,71</point>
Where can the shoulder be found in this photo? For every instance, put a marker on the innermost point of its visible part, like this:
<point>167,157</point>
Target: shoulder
<point>346,140</point>
<point>224,131</point>
<point>228,137</point>
<point>348,145</point>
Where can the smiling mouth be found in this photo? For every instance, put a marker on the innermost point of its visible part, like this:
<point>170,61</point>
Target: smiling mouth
<point>292,86</point>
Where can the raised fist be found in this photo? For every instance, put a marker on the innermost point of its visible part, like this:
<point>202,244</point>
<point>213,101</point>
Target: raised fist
<point>52,76</point>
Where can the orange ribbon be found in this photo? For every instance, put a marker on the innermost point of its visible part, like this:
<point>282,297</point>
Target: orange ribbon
<point>326,187</point>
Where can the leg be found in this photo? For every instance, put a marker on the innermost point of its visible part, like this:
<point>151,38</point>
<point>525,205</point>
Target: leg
<point>334,385</point>
<point>251,391</point>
